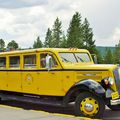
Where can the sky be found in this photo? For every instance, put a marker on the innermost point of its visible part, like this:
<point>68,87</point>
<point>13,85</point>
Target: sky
<point>24,20</point>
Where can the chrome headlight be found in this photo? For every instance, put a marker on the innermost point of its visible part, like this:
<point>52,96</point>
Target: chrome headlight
<point>110,80</point>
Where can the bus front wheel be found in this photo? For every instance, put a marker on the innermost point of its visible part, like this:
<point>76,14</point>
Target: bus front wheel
<point>89,105</point>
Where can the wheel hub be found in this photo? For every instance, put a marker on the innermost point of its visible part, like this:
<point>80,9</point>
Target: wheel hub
<point>89,107</point>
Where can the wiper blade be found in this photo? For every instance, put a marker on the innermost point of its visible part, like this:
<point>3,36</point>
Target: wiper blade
<point>80,59</point>
<point>64,59</point>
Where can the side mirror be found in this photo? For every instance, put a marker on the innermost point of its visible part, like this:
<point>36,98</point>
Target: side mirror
<point>48,62</point>
<point>94,58</point>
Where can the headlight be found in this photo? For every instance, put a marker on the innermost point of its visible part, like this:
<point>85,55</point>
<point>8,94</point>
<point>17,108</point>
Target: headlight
<point>108,81</point>
<point>111,81</point>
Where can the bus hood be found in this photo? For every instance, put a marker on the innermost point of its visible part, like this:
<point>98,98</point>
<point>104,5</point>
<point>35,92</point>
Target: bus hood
<point>90,66</point>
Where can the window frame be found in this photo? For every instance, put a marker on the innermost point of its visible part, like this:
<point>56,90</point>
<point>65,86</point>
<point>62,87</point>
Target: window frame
<point>4,67</point>
<point>17,55</point>
<point>83,53</point>
<point>75,57</point>
<point>55,58</point>
<point>29,67</point>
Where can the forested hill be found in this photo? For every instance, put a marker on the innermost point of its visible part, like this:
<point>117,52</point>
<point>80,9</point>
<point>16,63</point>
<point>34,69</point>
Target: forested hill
<point>104,49</point>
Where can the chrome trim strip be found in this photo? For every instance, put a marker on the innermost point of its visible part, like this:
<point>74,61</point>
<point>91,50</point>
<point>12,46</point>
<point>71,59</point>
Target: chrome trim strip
<point>115,102</point>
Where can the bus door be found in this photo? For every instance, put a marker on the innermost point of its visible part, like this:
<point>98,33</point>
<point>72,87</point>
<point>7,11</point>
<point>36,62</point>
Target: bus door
<point>29,74</point>
<point>49,81</point>
<point>13,76</point>
<point>3,73</point>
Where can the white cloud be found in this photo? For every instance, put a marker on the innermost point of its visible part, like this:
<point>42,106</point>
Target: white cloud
<point>22,24</point>
<point>106,42</point>
<point>37,10</point>
<point>6,19</point>
<point>116,34</point>
<point>24,20</point>
<point>14,4</point>
<point>111,40</point>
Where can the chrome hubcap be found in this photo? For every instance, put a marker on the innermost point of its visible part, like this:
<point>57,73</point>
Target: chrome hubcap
<point>88,107</point>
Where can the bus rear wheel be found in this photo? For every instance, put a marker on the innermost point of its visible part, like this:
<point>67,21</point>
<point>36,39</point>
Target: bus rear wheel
<point>89,105</point>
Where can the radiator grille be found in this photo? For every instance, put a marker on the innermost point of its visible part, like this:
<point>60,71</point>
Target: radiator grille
<point>117,78</point>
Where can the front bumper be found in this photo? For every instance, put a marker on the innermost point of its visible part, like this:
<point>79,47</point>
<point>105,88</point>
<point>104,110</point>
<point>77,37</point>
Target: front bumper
<point>115,102</point>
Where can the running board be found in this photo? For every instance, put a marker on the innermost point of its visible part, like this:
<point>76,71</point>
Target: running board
<point>31,99</point>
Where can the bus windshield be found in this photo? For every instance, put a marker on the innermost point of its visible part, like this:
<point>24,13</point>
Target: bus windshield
<point>74,57</point>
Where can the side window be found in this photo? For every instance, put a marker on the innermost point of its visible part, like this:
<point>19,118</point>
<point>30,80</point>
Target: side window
<point>2,62</point>
<point>54,62</point>
<point>14,61</point>
<point>29,61</point>
<point>43,60</point>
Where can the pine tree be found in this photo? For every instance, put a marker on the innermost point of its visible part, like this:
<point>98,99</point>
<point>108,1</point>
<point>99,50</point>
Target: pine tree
<point>2,44</point>
<point>117,54</point>
<point>89,43</point>
<point>48,39</point>
<point>37,43</point>
<point>63,41</point>
<point>74,32</point>
<point>108,59</point>
<point>57,32</point>
<point>100,58</point>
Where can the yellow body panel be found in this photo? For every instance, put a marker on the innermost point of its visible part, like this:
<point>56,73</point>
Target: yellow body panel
<point>51,85</point>
<point>3,82</point>
<point>55,82</point>
<point>13,81</point>
<point>29,82</point>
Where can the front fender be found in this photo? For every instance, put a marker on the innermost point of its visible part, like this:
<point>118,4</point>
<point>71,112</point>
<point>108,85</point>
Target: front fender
<point>91,86</point>
<point>85,85</point>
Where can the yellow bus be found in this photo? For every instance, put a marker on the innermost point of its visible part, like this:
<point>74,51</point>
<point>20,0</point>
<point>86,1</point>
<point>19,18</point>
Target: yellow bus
<point>57,76</point>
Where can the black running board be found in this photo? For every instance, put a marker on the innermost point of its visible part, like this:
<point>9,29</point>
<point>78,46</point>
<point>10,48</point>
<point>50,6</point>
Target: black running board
<point>31,99</point>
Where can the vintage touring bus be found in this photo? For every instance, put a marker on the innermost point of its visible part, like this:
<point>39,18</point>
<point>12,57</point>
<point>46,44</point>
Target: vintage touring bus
<point>55,76</point>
